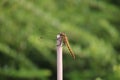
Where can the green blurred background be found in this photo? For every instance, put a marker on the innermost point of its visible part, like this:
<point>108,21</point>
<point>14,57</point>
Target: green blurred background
<point>28,30</point>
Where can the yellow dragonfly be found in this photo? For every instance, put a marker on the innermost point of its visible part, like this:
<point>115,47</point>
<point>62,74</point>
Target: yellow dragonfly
<point>66,42</point>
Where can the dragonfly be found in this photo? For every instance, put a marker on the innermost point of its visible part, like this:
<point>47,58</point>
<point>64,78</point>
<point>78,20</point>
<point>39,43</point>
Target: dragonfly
<point>66,42</point>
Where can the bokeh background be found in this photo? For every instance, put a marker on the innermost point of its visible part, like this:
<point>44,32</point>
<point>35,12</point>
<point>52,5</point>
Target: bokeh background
<point>28,30</point>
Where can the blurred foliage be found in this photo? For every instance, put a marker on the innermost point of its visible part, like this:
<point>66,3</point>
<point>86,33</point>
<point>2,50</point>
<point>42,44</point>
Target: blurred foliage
<point>28,30</point>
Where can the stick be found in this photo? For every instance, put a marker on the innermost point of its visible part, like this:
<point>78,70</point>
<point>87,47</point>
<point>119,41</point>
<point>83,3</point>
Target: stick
<point>59,58</point>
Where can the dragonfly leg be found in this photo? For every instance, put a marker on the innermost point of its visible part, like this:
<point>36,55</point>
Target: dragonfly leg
<point>60,41</point>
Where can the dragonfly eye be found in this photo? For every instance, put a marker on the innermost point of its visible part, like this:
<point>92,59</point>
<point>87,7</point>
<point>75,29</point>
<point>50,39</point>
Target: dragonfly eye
<point>62,34</point>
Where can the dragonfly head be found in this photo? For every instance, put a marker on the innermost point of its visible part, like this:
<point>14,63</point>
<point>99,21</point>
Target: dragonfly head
<point>62,34</point>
